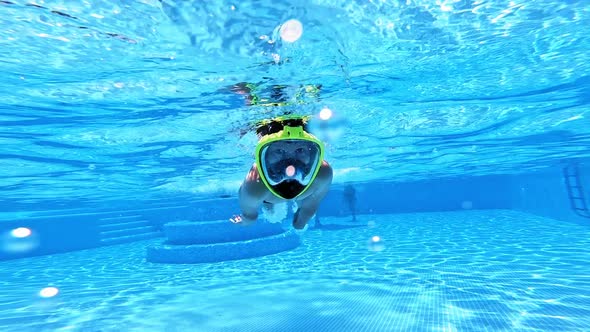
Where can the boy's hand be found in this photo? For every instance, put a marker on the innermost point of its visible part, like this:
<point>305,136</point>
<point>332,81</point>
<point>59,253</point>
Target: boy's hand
<point>236,219</point>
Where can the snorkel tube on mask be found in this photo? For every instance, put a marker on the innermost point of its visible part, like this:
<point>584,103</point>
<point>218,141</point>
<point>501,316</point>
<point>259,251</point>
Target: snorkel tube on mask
<point>296,177</point>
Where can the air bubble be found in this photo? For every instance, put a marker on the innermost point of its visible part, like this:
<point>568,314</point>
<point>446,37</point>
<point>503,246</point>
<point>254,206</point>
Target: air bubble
<point>291,31</point>
<point>325,113</point>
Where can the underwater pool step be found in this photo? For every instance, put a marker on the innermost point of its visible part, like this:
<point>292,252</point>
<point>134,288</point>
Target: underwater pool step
<point>127,231</point>
<point>130,238</point>
<point>207,232</point>
<point>123,225</point>
<point>117,218</point>
<point>217,252</point>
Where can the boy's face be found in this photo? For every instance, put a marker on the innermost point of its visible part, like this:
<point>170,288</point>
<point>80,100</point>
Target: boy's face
<point>289,149</point>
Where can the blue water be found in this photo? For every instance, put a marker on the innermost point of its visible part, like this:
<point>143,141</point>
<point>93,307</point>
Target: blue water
<point>456,271</point>
<point>103,101</point>
<point>107,104</point>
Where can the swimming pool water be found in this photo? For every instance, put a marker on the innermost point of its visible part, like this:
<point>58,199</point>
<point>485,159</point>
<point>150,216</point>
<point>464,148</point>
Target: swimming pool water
<point>495,270</point>
<point>106,101</point>
<point>108,107</point>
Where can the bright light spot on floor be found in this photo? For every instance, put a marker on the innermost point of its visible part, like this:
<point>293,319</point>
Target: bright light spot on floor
<point>375,244</point>
<point>291,31</point>
<point>21,232</point>
<point>18,240</point>
<point>325,113</point>
<point>49,292</point>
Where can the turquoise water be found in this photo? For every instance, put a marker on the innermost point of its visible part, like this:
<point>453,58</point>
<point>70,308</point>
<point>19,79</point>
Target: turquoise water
<point>108,104</point>
<point>456,271</point>
<point>103,101</point>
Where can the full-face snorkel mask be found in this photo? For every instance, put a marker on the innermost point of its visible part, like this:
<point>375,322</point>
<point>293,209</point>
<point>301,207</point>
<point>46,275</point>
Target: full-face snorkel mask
<point>288,161</point>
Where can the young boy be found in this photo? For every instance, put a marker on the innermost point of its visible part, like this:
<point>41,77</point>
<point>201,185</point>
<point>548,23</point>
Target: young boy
<point>289,165</point>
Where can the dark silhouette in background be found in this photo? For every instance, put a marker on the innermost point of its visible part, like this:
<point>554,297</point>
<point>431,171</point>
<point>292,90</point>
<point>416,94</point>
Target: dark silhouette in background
<point>349,198</point>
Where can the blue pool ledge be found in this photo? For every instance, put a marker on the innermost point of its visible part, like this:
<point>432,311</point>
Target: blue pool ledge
<point>215,241</point>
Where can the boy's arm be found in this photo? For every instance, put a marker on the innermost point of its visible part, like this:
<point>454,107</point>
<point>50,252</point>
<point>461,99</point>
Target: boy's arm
<point>309,205</point>
<point>251,196</point>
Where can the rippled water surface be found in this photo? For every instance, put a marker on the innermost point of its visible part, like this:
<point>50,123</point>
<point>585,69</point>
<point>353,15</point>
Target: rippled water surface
<point>456,271</point>
<point>104,100</point>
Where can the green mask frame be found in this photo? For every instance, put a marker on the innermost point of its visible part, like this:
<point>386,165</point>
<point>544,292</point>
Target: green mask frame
<point>288,133</point>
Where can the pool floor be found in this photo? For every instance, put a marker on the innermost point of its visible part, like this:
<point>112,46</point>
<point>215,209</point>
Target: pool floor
<point>493,270</point>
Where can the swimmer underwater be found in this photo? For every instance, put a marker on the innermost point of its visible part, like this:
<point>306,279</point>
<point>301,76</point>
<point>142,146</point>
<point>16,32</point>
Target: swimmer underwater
<point>289,166</point>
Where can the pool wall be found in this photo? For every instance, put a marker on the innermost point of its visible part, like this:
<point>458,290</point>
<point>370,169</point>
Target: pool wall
<point>546,194</point>
<point>542,193</point>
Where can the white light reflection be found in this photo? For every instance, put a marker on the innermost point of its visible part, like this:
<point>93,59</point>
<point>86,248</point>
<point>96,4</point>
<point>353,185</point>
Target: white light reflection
<point>325,113</point>
<point>48,292</point>
<point>376,244</point>
<point>291,31</point>
<point>21,232</point>
<point>18,240</point>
